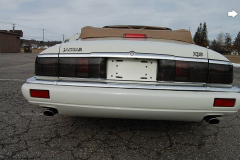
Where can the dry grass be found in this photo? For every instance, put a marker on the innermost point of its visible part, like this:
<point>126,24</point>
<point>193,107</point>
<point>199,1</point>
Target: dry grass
<point>233,59</point>
<point>37,50</point>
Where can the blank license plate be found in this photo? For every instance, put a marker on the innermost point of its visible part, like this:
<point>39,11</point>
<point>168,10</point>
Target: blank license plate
<point>132,69</point>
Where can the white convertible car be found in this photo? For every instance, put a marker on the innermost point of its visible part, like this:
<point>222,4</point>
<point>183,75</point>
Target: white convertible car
<point>138,72</point>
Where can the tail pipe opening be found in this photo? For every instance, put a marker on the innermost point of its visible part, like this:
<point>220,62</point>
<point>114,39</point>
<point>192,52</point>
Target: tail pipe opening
<point>50,112</point>
<point>212,119</point>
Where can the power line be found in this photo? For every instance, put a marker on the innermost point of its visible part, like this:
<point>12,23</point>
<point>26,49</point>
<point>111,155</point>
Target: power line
<point>53,36</point>
<point>53,32</point>
<point>6,22</point>
<point>44,30</point>
<point>30,27</point>
<point>32,36</point>
<point>38,38</point>
<point>21,25</point>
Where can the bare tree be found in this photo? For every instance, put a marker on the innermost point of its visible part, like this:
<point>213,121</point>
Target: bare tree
<point>218,45</point>
<point>220,39</point>
<point>237,43</point>
<point>228,43</point>
<point>213,45</point>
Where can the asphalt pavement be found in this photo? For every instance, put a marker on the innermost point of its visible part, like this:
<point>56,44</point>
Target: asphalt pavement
<point>25,133</point>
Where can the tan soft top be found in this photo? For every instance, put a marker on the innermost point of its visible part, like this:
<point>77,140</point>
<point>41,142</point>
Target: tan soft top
<point>151,32</point>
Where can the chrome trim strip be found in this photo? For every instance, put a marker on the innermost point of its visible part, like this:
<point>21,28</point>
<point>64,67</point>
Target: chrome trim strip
<point>46,78</point>
<point>120,55</point>
<point>216,89</point>
<point>220,62</point>
<point>218,85</point>
<point>48,55</point>
<point>134,86</point>
<point>126,55</point>
<point>74,55</point>
<point>181,83</point>
<point>137,55</point>
<point>191,59</point>
<point>35,81</point>
<point>103,80</point>
<point>131,86</point>
<point>165,83</point>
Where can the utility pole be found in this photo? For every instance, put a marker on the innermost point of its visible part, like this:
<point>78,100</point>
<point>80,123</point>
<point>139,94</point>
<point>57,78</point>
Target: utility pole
<point>63,37</point>
<point>189,29</point>
<point>13,27</point>
<point>43,35</point>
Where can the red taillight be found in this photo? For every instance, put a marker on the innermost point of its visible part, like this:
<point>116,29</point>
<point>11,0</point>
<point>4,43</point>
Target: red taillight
<point>182,68</point>
<point>39,93</point>
<point>182,71</point>
<point>223,102</point>
<point>83,65</point>
<point>219,73</point>
<point>46,66</point>
<point>128,35</point>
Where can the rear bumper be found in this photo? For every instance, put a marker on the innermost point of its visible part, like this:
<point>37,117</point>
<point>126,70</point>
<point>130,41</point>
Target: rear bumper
<point>86,99</point>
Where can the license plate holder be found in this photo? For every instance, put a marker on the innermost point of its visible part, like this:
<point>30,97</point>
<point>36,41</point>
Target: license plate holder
<point>132,69</point>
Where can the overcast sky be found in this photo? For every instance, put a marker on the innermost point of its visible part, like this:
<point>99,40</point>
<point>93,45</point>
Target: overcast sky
<point>69,16</point>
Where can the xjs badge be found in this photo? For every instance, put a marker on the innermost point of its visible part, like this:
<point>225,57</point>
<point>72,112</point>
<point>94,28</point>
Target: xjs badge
<point>132,53</point>
<point>198,54</point>
<point>72,49</point>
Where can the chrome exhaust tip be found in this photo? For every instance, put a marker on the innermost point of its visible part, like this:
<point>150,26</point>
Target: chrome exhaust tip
<point>50,112</point>
<point>212,120</point>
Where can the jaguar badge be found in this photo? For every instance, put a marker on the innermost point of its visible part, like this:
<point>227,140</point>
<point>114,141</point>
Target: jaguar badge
<point>132,53</point>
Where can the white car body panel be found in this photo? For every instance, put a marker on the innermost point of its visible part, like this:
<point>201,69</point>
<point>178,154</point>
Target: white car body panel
<point>215,56</point>
<point>153,46</point>
<point>131,103</point>
<point>133,97</point>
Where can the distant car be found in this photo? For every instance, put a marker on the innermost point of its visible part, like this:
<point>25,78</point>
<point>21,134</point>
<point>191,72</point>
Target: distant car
<point>138,72</point>
<point>34,46</point>
<point>27,49</point>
